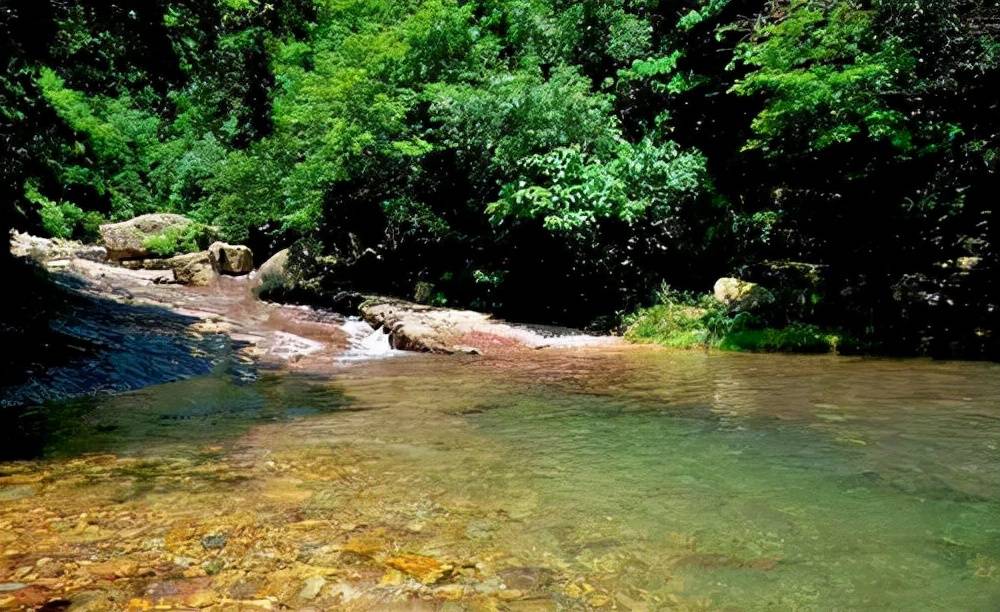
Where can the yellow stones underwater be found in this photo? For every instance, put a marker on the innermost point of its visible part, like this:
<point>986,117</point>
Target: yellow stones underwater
<point>427,570</point>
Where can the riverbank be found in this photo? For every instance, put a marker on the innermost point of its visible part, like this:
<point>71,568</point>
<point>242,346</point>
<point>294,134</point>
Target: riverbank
<point>130,327</point>
<point>687,321</point>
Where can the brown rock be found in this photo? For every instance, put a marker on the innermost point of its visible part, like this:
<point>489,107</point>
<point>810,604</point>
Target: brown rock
<point>364,545</point>
<point>425,569</point>
<point>126,240</point>
<point>193,268</point>
<point>31,596</point>
<point>418,327</point>
<point>115,568</point>
<point>201,598</point>
<point>230,258</point>
<point>311,587</point>
<point>741,295</point>
<point>450,592</point>
<point>275,268</point>
<point>49,249</point>
<point>91,601</point>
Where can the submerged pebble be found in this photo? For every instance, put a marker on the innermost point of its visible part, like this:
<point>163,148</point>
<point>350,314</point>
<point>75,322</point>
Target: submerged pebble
<point>214,541</point>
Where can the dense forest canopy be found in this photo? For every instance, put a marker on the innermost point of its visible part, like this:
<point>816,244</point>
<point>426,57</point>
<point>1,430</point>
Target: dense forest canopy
<point>546,159</point>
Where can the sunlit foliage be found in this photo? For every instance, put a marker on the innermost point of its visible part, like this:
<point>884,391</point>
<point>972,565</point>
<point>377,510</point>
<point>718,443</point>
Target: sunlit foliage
<point>576,154</point>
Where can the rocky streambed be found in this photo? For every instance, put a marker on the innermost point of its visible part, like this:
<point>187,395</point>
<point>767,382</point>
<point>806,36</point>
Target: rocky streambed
<point>133,329</point>
<point>205,450</point>
<point>145,320</point>
<point>135,475</point>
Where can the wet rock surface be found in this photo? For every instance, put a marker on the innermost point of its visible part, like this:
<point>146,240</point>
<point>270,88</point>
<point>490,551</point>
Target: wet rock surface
<point>418,327</point>
<point>134,328</point>
<point>152,541</point>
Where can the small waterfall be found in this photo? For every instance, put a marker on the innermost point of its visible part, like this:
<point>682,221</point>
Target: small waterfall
<point>364,343</point>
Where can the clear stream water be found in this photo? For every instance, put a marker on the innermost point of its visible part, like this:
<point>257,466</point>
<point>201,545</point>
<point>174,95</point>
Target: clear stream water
<point>615,476</point>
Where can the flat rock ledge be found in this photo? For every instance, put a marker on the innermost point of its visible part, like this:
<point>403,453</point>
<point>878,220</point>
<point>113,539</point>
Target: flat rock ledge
<point>416,327</point>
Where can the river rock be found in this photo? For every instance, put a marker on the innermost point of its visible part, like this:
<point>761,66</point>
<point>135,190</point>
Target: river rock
<point>275,269</point>
<point>450,592</point>
<point>214,541</point>
<point>415,327</point>
<point>741,295</point>
<point>50,249</point>
<point>527,578</point>
<point>418,327</point>
<point>193,268</point>
<point>16,492</point>
<point>126,240</point>
<point>311,587</point>
<point>427,570</point>
<point>155,263</point>
<point>231,258</point>
<point>114,568</point>
<point>91,601</point>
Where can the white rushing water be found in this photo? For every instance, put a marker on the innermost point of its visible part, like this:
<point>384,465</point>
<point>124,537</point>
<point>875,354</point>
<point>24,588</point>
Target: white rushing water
<point>365,343</point>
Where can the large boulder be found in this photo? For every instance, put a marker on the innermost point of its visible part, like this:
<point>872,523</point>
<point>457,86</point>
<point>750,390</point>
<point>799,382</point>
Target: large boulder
<point>231,258</point>
<point>127,240</point>
<point>275,269</point>
<point>192,268</point>
<point>741,295</point>
<point>416,327</point>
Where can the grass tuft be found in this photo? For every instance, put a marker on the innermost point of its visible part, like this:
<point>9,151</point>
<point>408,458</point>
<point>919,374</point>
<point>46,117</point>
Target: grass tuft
<point>685,320</point>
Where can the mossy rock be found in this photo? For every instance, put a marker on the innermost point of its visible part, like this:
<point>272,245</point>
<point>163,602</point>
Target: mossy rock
<point>129,239</point>
<point>742,296</point>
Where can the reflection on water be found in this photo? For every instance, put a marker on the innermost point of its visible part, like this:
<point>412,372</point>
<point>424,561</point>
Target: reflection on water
<point>172,417</point>
<point>626,477</point>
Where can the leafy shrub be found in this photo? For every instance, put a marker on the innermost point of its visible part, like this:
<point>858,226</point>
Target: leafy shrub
<point>177,240</point>
<point>796,338</point>
<point>272,288</point>
<point>679,320</point>
<point>568,189</point>
<point>686,320</point>
<point>63,219</point>
<point>59,219</point>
